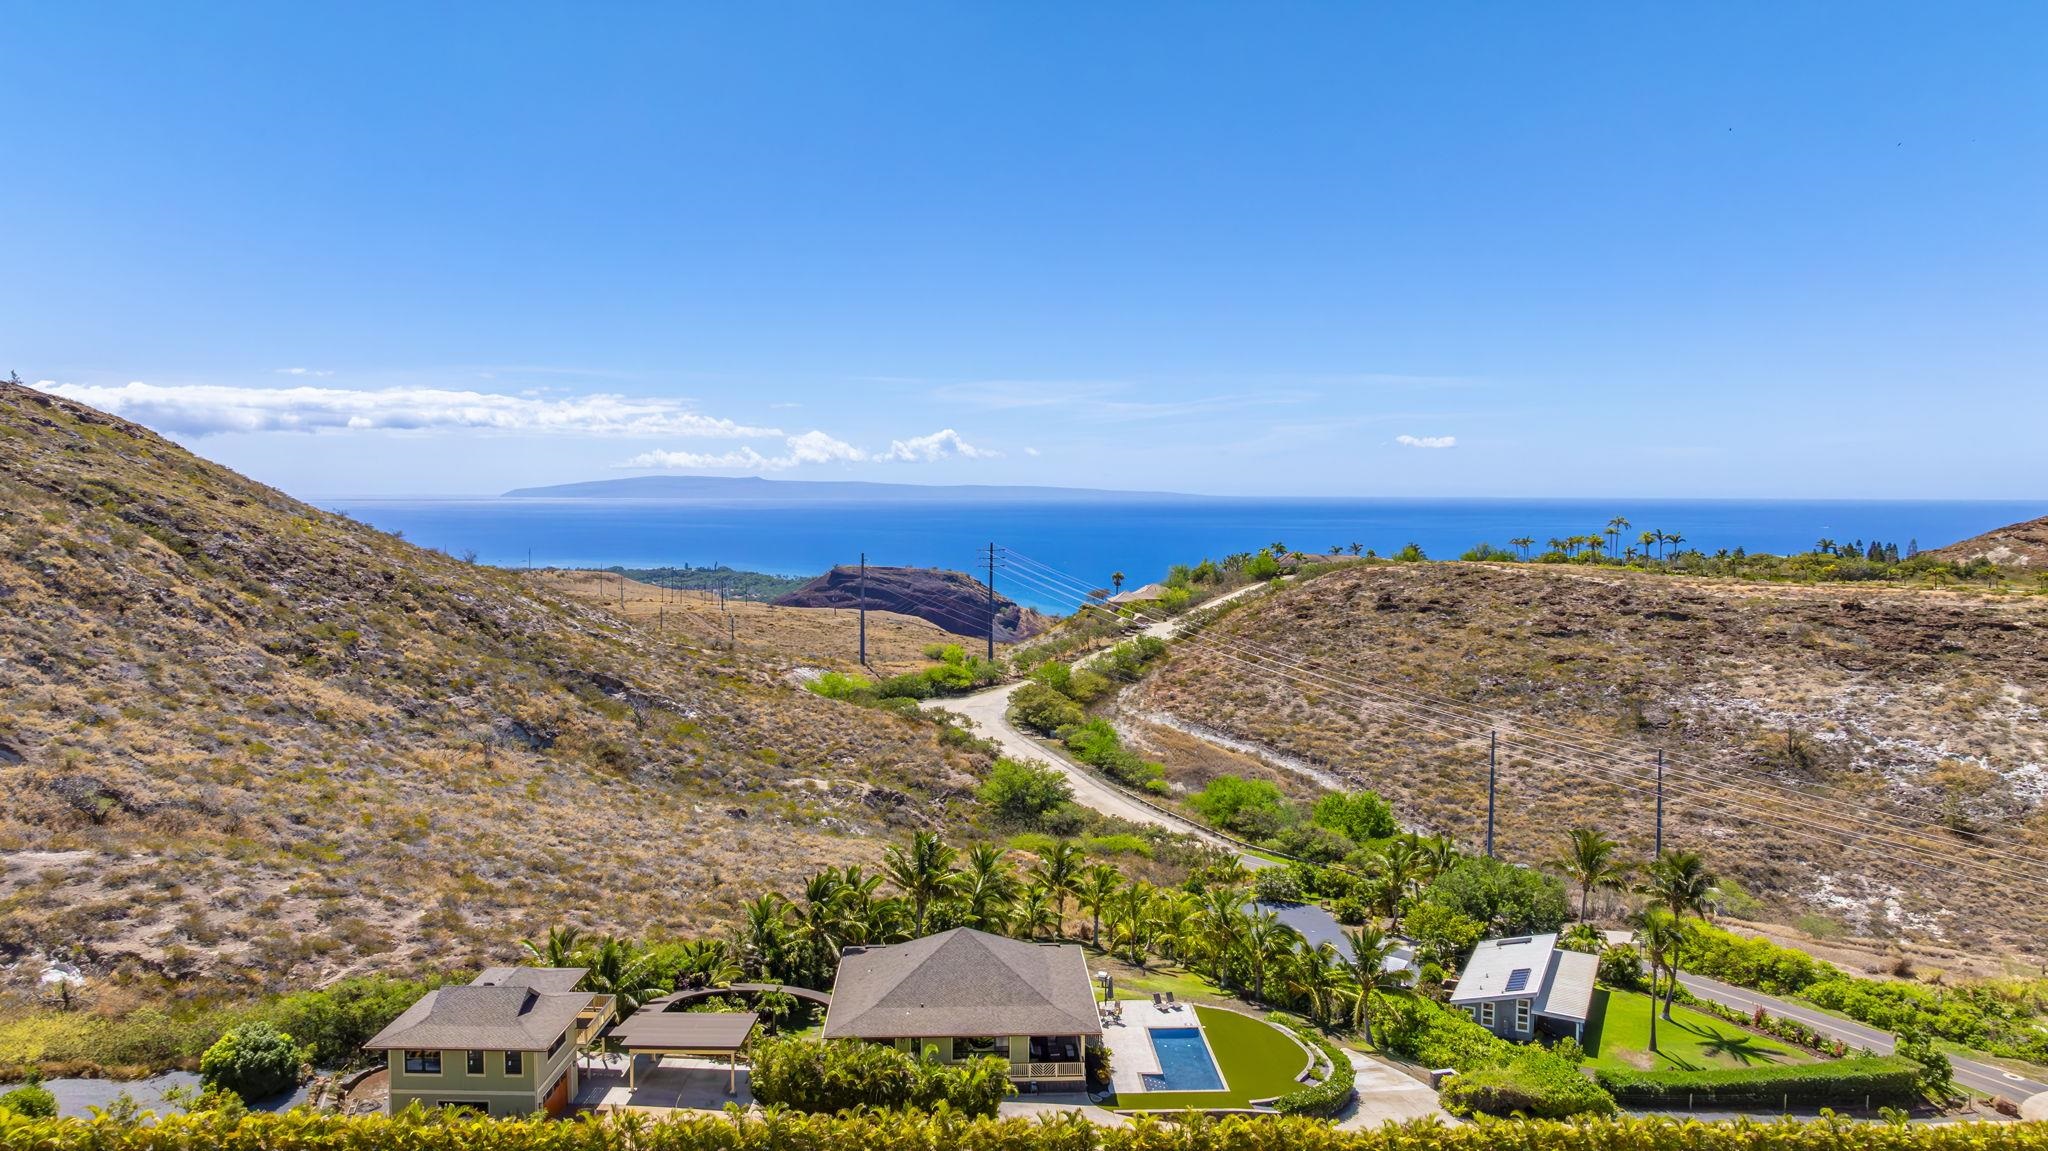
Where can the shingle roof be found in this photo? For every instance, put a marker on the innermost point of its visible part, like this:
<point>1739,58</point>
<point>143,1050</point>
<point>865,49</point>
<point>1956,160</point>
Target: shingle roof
<point>685,1030</point>
<point>520,1010</point>
<point>551,979</point>
<point>962,983</point>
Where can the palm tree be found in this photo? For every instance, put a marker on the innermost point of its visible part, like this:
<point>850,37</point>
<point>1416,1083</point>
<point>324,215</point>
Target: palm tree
<point>1173,918</point>
<point>925,873</point>
<point>1263,944</point>
<point>822,923</point>
<point>1132,921</point>
<point>1615,527</point>
<point>1648,538</point>
<point>618,969</point>
<point>1099,884</point>
<point>698,963</point>
<point>1034,912</point>
<point>1356,547</point>
<point>1522,544</point>
<point>1679,882</point>
<point>1116,580</point>
<point>1438,854</point>
<point>1366,971</point>
<point>988,886</point>
<point>1056,871</point>
<point>764,935</point>
<point>1660,934</point>
<point>1595,544</point>
<point>1674,539</point>
<point>1589,862</point>
<point>559,949</point>
<point>1315,976</point>
<point>1279,549</point>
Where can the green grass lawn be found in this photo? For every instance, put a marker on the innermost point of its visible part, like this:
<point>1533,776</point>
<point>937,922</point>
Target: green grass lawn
<point>1258,1061</point>
<point>1618,1036</point>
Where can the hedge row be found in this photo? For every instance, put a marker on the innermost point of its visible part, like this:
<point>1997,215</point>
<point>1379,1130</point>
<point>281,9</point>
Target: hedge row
<point>299,1131</point>
<point>1882,1079</point>
<point>1533,1082</point>
<point>1328,1097</point>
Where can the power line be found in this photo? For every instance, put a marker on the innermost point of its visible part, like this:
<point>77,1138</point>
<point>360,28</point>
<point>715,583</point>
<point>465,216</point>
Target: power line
<point>1536,732</point>
<point>1826,833</point>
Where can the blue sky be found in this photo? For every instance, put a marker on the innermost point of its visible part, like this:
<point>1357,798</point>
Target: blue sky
<point>1441,249</point>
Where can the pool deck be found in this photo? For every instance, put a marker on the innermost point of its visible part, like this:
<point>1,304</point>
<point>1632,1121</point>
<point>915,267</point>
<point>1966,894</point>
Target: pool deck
<point>1131,1056</point>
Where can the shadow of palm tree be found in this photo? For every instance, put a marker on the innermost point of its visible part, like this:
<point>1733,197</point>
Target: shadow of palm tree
<point>1744,1049</point>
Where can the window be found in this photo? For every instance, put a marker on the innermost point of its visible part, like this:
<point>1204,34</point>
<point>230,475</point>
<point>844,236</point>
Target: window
<point>515,1062</point>
<point>1486,1015</point>
<point>475,1064</point>
<point>423,1063</point>
<point>982,1045</point>
<point>1521,1015</point>
<point>557,1045</point>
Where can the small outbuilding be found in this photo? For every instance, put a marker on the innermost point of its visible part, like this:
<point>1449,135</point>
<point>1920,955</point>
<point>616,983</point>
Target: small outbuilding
<point>1516,985</point>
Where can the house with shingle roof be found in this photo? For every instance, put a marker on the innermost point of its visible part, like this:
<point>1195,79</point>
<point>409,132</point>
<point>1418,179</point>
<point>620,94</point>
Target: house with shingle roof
<point>1515,985</point>
<point>965,993</point>
<point>504,1044</point>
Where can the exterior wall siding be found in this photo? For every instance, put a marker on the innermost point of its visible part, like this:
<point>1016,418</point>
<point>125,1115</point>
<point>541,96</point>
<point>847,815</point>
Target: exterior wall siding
<point>505,1095</point>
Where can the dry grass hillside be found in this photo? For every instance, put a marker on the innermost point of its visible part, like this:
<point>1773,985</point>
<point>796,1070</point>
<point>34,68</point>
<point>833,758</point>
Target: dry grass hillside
<point>2023,546</point>
<point>820,637</point>
<point>1804,703</point>
<point>248,740</point>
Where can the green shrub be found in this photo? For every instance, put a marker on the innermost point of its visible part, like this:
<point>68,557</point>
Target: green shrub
<point>1621,965</point>
<point>1358,815</point>
<point>814,1076</point>
<point>1328,1097</point>
<point>1095,743</point>
<point>333,1023</point>
<point>31,1100</point>
<point>1426,1032</point>
<point>1024,793</point>
<point>253,1060</point>
<point>839,685</point>
<point>1036,707</point>
<point>1533,1083</point>
<point>1506,899</point>
<point>1250,807</point>
<point>1883,1079</point>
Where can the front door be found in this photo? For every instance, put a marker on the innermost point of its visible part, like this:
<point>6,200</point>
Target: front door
<point>557,1100</point>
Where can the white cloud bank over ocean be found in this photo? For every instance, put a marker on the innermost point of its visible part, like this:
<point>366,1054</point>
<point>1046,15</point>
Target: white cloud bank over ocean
<point>818,448</point>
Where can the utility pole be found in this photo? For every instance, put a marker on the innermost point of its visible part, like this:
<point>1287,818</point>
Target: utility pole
<point>1659,853</point>
<point>863,609</point>
<point>1492,776</point>
<point>991,602</point>
<point>732,634</point>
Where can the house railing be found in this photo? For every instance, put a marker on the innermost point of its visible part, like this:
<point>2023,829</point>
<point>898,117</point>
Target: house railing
<point>1048,1070</point>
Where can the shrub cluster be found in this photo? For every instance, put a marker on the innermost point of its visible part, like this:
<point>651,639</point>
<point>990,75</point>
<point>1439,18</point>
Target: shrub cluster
<point>812,1076</point>
<point>1883,1079</point>
<point>255,1061</point>
<point>1328,1097</point>
<point>1534,1083</point>
<point>440,1131</point>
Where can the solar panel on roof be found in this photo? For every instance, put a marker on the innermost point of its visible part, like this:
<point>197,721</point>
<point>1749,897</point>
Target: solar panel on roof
<point>1518,979</point>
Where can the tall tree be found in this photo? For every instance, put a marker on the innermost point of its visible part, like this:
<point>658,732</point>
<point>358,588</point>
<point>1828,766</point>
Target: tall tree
<point>924,872</point>
<point>1615,527</point>
<point>1264,943</point>
<point>1589,861</point>
<point>1366,973</point>
<point>1057,870</point>
<point>1099,884</point>
<point>988,886</point>
<point>1680,883</point>
<point>1660,935</point>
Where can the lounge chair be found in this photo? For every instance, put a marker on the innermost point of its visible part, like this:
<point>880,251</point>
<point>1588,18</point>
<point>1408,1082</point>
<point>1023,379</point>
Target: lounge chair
<point>1156,1001</point>
<point>1170,1004</point>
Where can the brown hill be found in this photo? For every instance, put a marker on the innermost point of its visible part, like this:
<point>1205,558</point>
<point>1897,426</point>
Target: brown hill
<point>244,738</point>
<point>953,600</point>
<point>2023,545</point>
<point>1790,713</point>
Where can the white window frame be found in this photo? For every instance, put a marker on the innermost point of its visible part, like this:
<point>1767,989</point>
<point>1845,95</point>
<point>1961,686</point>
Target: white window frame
<point>1486,1014</point>
<point>406,1061</point>
<point>1522,1016</point>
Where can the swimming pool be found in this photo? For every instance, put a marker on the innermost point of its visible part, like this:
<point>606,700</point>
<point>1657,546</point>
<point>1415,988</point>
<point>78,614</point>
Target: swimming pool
<point>1184,1061</point>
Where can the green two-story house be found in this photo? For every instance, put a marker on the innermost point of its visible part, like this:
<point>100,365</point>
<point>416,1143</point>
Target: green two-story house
<point>506,1044</point>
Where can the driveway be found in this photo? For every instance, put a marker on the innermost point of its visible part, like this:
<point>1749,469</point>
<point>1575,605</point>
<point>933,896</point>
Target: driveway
<point>1387,1095</point>
<point>1971,1073</point>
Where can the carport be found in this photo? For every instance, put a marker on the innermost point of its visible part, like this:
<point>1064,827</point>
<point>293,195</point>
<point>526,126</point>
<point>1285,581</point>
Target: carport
<point>716,1034</point>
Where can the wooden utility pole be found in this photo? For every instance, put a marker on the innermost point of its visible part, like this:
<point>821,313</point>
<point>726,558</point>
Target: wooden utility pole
<point>991,602</point>
<point>863,609</point>
<point>1492,777</point>
<point>1659,853</point>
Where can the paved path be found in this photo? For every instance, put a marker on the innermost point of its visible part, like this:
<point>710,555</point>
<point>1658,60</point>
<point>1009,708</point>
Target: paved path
<point>988,712</point>
<point>1386,1095</point>
<point>1971,1073</point>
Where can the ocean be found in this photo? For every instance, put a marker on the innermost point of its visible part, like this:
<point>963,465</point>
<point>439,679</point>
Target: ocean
<point>1088,541</point>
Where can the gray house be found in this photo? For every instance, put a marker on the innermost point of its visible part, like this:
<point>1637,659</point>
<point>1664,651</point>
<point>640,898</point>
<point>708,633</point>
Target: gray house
<point>1513,987</point>
<point>504,1045</point>
<point>965,993</point>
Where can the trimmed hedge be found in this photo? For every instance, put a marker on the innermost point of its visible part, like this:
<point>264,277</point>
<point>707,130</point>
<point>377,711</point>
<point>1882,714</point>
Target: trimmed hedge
<point>418,1131</point>
<point>1883,1079</point>
<point>1328,1097</point>
<point>1533,1083</point>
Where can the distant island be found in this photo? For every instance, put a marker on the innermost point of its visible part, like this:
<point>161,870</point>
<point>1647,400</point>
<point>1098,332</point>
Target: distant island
<point>741,488</point>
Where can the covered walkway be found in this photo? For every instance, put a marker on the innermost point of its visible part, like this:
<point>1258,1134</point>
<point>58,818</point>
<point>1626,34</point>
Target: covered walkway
<point>657,1033</point>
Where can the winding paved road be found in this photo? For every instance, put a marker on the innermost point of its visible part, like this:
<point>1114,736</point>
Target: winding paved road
<point>1971,1073</point>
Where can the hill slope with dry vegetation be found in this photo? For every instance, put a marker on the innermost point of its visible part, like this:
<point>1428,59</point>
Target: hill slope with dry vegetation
<point>247,739</point>
<point>1902,706</point>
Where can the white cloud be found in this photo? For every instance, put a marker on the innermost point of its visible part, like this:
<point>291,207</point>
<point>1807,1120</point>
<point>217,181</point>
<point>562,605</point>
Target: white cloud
<point>1427,441</point>
<point>207,409</point>
<point>301,372</point>
<point>816,447</point>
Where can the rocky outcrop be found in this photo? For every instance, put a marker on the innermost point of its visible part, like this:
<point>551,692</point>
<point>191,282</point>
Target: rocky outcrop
<point>952,600</point>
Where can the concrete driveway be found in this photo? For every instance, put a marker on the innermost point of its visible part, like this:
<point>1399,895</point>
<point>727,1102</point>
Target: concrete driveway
<point>1387,1095</point>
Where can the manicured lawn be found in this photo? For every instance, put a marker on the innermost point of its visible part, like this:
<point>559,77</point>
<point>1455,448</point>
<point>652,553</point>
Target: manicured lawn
<point>1258,1061</point>
<point>1618,1036</point>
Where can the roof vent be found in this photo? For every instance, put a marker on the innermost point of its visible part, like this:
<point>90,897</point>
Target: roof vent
<point>1512,942</point>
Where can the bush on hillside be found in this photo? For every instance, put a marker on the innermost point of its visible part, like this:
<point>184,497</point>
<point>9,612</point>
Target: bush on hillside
<point>1424,1031</point>
<point>1506,899</point>
<point>1025,794</point>
<point>1096,743</point>
<point>254,1060</point>
<point>1252,808</point>
<point>333,1023</point>
<point>1358,815</point>
<point>1036,707</point>
<point>31,1100</point>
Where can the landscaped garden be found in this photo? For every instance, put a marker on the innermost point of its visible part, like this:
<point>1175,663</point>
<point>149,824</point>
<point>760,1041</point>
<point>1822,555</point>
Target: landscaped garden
<point>1258,1061</point>
<point>1618,1037</point>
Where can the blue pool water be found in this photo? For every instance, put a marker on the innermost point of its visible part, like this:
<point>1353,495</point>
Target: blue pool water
<point>1185,1061</point>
